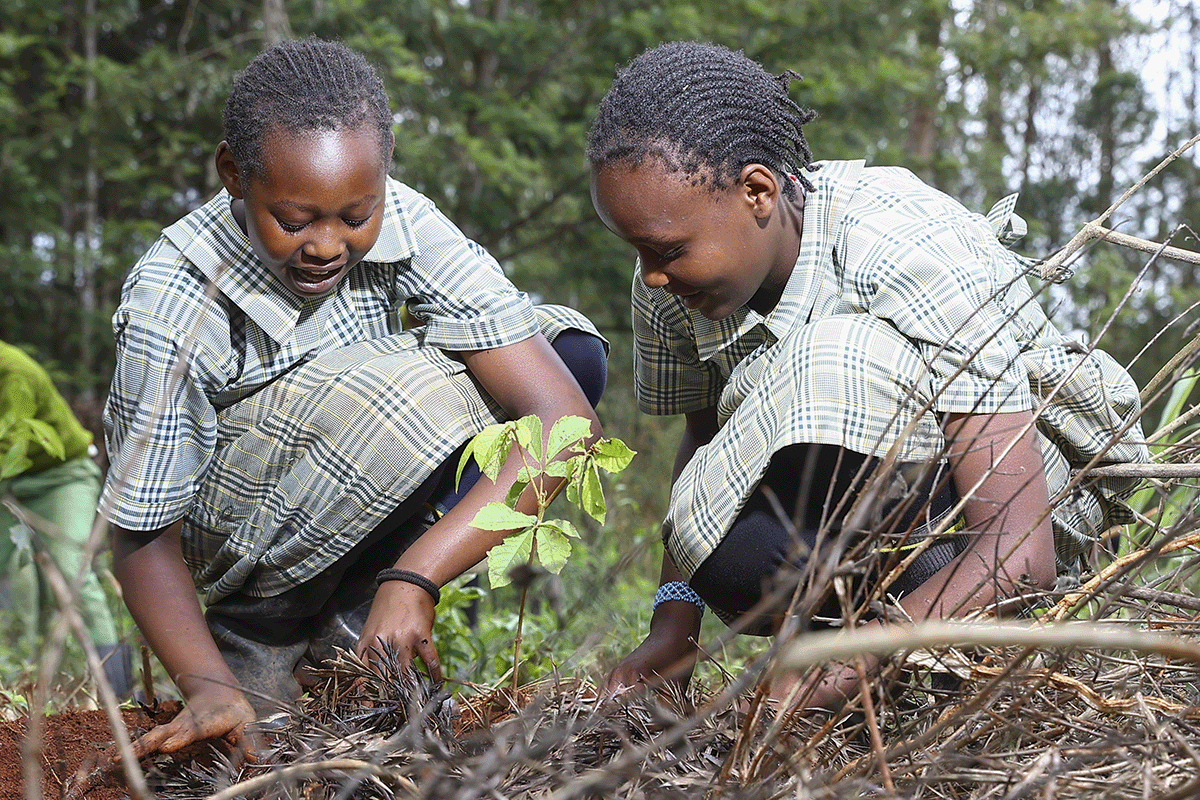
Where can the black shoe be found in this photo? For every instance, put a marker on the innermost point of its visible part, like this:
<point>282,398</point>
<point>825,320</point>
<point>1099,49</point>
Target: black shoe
<point>265,671</point>
<point>117,661</point>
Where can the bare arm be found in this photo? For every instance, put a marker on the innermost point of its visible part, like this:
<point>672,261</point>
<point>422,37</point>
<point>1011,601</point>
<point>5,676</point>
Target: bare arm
<point>160,595</point>
<point>1011,544</point>
<point>668,651</point>
<point>524,378</point>
<point>1006,511</point>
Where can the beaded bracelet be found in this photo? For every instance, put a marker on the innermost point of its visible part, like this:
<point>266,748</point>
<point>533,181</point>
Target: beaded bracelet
<point>677,590</point>
<point>408,576</point>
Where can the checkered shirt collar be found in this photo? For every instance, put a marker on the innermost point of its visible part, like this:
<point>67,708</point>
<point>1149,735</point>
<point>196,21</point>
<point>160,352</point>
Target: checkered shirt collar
<point>216,244</point>
<point>824,207</point>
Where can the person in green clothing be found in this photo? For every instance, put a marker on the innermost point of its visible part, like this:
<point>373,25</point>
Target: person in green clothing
<point>52,475</point>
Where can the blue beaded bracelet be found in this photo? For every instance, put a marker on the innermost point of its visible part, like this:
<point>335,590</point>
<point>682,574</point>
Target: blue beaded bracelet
<point>677,590</point>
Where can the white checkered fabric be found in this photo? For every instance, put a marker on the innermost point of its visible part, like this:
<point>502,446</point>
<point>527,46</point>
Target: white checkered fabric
<point>903,305</point>
<point>282,428</point>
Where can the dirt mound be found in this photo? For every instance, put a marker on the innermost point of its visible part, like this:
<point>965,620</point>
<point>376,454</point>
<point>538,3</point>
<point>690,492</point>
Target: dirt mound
<point>69,739</point>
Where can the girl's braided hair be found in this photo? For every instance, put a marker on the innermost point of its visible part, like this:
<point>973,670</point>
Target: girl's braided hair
<point>706,111</point>
<point>301,87</point>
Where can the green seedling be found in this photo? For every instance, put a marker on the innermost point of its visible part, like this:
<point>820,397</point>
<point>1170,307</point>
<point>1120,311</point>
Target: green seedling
<point>562,460</point>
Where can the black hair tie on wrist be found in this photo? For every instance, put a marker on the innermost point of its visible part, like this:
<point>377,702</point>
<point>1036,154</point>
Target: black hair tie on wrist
<point>408,576</point>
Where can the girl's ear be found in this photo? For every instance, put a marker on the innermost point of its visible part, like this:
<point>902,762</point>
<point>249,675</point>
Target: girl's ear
<point>760,189</point>
<point>227,168</point>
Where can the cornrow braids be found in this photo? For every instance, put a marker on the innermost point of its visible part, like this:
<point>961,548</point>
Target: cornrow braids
<point>706,111</point>
<point>301,87</point>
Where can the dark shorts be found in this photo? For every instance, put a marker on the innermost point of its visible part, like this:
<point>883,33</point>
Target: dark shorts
<point>797,513</point>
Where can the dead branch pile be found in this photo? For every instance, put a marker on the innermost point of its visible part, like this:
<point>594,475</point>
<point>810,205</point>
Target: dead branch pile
<point>963,721</point>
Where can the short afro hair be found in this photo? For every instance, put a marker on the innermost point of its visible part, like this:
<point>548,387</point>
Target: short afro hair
<point>301,87</point>
<point>704,110</point>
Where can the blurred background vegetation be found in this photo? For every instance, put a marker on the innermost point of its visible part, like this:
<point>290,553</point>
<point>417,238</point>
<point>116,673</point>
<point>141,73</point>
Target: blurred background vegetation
<point>110,113</point>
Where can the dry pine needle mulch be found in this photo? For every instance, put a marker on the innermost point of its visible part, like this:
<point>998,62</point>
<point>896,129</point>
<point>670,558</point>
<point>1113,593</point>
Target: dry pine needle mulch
<point>953,723</point>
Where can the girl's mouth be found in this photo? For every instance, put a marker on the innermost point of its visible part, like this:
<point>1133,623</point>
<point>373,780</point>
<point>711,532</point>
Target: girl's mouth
<point>315,281</point>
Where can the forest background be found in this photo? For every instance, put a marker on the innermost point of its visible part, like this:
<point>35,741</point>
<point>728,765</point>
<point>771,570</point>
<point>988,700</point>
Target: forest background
<point>110,111</point>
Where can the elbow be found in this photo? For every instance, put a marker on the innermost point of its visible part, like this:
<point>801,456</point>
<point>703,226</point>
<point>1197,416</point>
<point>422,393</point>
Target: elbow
<point>1041,566</point>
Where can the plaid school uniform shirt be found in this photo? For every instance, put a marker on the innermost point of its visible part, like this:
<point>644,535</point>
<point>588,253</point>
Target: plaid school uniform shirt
<point>280,428</point>
<point>902,306</point>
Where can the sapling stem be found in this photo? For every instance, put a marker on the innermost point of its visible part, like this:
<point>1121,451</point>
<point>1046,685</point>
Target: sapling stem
<point>565,457</point>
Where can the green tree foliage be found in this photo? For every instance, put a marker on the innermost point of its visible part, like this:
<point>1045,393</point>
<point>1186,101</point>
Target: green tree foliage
<point>112,111</point>
<point>1106,134</point>
<point>493,99</point>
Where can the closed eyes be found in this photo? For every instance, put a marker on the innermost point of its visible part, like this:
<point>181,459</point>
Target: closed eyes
<point>352,223</point>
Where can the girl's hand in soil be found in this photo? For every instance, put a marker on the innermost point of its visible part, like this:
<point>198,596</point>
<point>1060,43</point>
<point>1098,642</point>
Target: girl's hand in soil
<point>222,713</point>
<point>217,712</point>
<point>666,656</point>
<point>401,621</point>
<point>824,689</point>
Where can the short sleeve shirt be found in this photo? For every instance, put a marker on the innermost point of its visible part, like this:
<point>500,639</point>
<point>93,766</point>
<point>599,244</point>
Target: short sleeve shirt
<point>878,241</point>
<point>202,325</point>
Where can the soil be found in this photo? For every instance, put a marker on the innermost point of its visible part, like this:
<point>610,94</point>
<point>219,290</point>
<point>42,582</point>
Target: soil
<point>69,740</point>
<point>72,739</point>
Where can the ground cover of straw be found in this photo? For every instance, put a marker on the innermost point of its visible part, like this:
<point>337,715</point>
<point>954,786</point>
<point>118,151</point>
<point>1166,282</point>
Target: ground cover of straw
<point>1112,712</point>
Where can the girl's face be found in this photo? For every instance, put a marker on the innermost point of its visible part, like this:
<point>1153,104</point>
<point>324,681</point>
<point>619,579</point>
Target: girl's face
<point>316,208</point>
<point>716,251</point>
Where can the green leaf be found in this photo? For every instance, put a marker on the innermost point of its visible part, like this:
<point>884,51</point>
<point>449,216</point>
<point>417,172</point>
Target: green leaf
<point>479,442</point>
<point>591,497</point>
<point>15,461</point>
<point>559,469</point>
<point>463,461</point>
<point>491,446</point>
<point>7,422</point>
<point>1177,401</point>
<point>554,544</point>
<point>567,431</point>
<point>573,489</point>
<point>612,455</point>
<point>47,437</point>
<point>512,552</point>
<point>529,436</point>
<point>499,517</point>
<point>514,493</point>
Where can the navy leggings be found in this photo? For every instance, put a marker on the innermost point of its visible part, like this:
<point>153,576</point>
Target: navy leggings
<point>759,550</point>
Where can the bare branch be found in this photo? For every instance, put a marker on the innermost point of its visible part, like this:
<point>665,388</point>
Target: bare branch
<point>1054,268</point>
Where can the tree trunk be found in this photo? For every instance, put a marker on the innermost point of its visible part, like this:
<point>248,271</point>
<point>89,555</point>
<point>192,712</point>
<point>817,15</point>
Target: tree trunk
<point>1106,136</point>
<point>85,270</point>
<point>992,163</point>
<point>276,26</point>
<point>922,120</point>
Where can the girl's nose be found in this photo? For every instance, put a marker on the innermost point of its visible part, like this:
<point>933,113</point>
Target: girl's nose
<point>652,276</point>
<point>324,245</point>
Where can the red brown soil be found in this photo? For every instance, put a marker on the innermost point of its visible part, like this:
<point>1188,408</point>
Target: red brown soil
<point>68,740</point>
<point>72,739</point>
